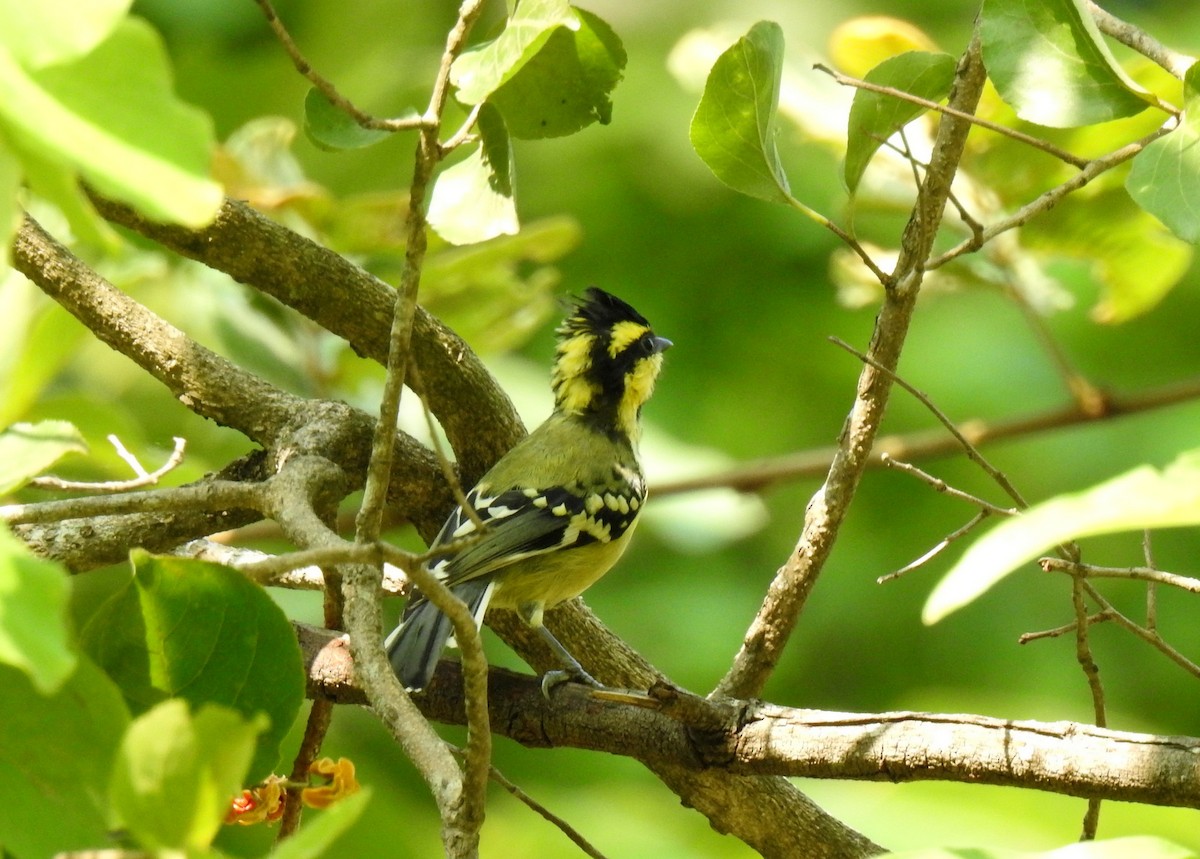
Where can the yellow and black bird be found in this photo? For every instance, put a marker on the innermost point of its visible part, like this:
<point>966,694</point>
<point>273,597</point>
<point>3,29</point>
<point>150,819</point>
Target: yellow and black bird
<point>559,508</point>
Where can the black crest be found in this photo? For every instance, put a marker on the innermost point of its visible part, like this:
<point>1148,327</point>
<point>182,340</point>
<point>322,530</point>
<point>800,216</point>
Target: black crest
<point>598,311</point>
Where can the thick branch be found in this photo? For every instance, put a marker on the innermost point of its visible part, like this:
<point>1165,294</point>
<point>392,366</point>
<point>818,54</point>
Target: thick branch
<point>354,305</point>
<point>679,732</point>
<point>199,378</point>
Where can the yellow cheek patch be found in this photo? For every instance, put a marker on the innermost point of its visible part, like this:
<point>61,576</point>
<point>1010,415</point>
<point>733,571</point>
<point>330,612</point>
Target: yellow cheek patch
<point>623,334</point>
<point>639,385</point>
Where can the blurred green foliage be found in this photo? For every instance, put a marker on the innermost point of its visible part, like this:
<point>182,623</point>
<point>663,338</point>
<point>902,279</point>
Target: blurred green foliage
<point>744,290</point>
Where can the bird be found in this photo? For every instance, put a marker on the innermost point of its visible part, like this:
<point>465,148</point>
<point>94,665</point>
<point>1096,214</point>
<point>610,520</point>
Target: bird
<point>559,508</point>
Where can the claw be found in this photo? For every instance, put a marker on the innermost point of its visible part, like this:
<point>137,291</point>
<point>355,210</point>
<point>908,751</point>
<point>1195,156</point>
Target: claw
<point>557,677</point>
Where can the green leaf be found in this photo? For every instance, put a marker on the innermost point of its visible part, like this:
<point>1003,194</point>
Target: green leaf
<point>875,117</point>
<point>1165,176</point>
<point>36,339</point>
<point>33,616</point>
<point>1136,266</point>
<point>313,839</point>
<point>473,200</point>
<point>1049,61</point>
<point>110,117</point>
<point>55,31</point>
<point>204,633</point>
<point>565,86</point>
<point>1146,497</point>
<point>333,129</point>
<point>26,450</point>
<point>177,772</point>
<point>479,72</point>
<point>734,127</point>
<point>55,761</point>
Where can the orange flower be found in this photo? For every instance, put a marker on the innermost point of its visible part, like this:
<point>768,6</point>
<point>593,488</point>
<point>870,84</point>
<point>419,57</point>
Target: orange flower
<point>339,781</point>
<point>259,804</point>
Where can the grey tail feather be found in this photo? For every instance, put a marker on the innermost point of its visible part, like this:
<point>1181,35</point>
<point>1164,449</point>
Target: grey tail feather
<point>415,646</point>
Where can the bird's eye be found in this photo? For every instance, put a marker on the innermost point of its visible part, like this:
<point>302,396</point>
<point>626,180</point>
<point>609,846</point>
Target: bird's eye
<point>648,345</point>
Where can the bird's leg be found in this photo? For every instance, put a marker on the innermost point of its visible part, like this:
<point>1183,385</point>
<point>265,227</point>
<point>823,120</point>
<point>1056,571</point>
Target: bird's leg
<point>531,613</point>
<point>573,670</point>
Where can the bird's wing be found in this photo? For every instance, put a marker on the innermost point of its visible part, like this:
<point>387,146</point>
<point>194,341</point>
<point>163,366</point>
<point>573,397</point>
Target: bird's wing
<point>521,523</point>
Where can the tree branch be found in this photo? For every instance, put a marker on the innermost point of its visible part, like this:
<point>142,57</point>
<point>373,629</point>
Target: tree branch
<point>772,626</point>
<point>347,301</point>
<point>677,730</point>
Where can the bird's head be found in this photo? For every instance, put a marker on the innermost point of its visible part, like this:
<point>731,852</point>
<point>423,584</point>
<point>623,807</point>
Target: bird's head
<point>606,363</point>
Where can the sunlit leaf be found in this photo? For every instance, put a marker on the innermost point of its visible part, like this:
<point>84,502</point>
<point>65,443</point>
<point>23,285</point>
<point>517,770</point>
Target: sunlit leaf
<point>473,200</point>
<point>55,761</point>
<point>1146,497</point>
<point>483,70</point>
<point>33,616</point>
<point>177,770</point>
<point>565,86</point>
<point>860,44</point>
<point>1049,61</point>
<point>1165,178</point>
<point>54,31</point>
<point>1136,266</point>
<point>111,118</point>
<point>205,633</point>
<point>26,450</point>
<point>734,127</point>
<point>331,128</point>
<point>874,117</point>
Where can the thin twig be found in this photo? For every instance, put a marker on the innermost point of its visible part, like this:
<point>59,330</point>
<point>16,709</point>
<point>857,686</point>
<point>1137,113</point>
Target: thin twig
<point>326,88</point>
<point>1149,636</point>
<point>1035,142</point>
<point>942,486</point>
<point>215,495</point>
<point>521,796</point>
<point>144,478</point>
<point>936,550</point>
<point>761,474</point>
<point>1059,631</point>
<point>316,726</point>
<point>970,449</point>
<point>1145,574</point>
<point>1133,37</point>
<point>1049,199</point>
<point>848,239</point>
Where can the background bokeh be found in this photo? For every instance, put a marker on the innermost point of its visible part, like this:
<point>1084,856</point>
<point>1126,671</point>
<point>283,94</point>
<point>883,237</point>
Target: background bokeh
<point>743,289</point>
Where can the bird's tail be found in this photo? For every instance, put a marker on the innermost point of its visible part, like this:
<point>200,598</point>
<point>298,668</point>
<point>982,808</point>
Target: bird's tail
<point>415,646</point>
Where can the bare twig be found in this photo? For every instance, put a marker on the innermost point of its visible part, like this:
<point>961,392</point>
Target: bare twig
<point>585,846</point>
<point>316,726</point>
<point>937,549</point>
<point>1130,36</point>
<point>762,474</point>
<point>144,478</point>
<point>1035,142</point>
<point>970,449</point>
<point>940,485</point>
<point>1145,574</point>
<point>326,88</point>
<point>1044,202</point>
